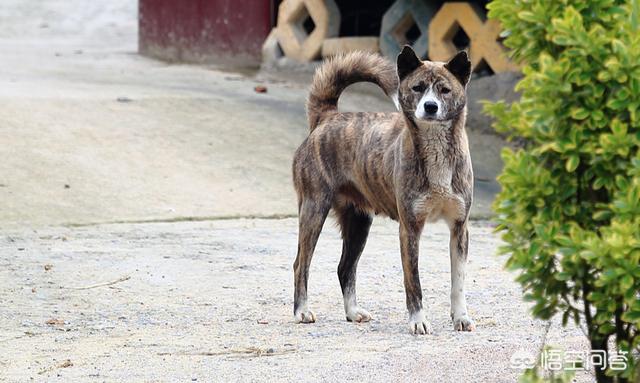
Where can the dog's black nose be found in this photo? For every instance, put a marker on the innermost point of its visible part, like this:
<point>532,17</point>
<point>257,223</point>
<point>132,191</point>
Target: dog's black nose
<point>430,107</point>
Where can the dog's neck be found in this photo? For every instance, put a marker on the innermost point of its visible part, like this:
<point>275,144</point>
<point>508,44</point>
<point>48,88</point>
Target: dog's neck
<point>433,136</point>
<point>435,144</point>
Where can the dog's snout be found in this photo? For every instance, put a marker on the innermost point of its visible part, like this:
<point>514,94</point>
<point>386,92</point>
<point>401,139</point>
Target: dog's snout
<point>430,107</point>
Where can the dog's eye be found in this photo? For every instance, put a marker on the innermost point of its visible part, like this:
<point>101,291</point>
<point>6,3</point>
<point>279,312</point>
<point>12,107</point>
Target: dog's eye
<point>418,88</point>
<point>445,90</point>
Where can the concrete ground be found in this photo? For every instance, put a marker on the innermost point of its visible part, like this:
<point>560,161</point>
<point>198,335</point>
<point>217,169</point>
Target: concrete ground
<point>131,241</point>
<point>212,301</point>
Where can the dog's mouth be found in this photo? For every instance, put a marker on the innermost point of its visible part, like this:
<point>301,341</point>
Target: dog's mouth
<point>433,119</point>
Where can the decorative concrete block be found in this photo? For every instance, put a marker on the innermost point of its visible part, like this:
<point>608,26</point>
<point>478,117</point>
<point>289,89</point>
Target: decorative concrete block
<point>483,37</point>
<point>271,50</point>
<point>294,39</point>
<point>332,47</point>
<point>399,19</point>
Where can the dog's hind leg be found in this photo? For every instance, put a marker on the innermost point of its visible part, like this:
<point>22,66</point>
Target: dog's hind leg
<point>311,218</point>
<point>355,229</point>
<point>458,250</point>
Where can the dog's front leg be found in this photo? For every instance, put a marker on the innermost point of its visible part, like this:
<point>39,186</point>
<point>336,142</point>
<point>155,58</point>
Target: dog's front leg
<point>458,251</point>
<point>409,248</point>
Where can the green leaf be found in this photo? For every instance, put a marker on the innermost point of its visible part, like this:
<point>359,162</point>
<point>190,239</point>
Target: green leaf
<point>527,16</point>
<point>588,255</point>
<point>635,15</point>
<point>572,163</point>
<point>619,47</point>
<point>579,113</point>
<point>616,103</point>
<point>602,215</point>
<point>618,128</point>
<point>604,76</point>
<point>631,316</point>
<point>565,318</point>
<point>626,282</point>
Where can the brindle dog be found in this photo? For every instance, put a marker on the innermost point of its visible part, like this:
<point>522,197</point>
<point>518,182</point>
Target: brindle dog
<point>413,166</point>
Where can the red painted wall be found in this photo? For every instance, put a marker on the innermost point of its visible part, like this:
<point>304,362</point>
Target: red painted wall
<point>222,31</point>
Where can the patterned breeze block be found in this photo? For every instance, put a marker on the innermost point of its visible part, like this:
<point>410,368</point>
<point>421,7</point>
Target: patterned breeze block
<point>292,35</point>
<point>399,20</point>
<point>483,37</point>
<point>271,50</point>
<point>332,47</point>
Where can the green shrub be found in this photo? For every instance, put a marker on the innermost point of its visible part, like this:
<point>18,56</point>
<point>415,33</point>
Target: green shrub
<point>569,208</point>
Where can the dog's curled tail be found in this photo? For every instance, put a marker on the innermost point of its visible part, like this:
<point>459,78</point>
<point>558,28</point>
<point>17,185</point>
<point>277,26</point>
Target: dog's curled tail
<point>337,73</point>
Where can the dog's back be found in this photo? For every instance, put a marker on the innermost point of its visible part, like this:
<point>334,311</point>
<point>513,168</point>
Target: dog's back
<point>351,154</point>
<point>348,152</point>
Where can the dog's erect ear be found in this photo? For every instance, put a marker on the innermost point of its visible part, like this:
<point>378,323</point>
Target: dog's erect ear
<point>407,62</point>
<point>460,66</point>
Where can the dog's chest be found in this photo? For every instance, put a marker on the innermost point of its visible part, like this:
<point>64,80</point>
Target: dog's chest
<point>439,200</point>
<point>437,203</point>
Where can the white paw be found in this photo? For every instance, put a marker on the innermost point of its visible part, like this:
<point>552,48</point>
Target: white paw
<point>357,314</point>
<point>418,324</point>
<point>304,316</point>
<point>463,323</point>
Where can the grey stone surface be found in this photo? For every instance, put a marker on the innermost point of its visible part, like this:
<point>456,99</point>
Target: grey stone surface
<point>499,86</point>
